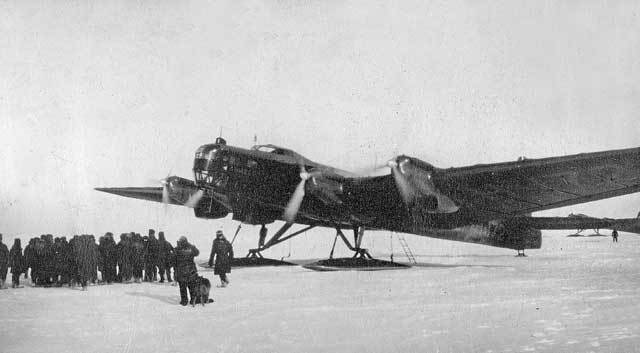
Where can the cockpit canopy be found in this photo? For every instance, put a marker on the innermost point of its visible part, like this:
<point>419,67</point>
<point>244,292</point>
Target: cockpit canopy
<point>275,150</point>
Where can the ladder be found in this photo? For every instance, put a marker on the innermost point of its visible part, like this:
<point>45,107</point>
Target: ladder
<point>407,250</point>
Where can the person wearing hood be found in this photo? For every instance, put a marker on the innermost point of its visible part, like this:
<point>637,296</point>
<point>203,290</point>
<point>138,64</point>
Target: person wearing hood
<point>185,270</point>
<point>221,255</point>
<point>16,262</point>
<point>4,261</point>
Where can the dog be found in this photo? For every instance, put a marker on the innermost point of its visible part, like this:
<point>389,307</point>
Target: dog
<point>202,288</point>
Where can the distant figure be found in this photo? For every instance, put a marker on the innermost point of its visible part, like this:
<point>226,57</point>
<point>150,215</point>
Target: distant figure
<point>614,235</point>
<point>16,262</point>
<point>30,259</point>
<point>47,260</point>
<point>4,262</point>
<point>185,271</point>
<point>137,257</point>
<point>222,252</point>
<point>108,257</point>
<point>125,255</point>
<point>165,255</point>
<point>95,257</point>
<point>68,266</point>
<point>151,257</point>
<point>85,258</point>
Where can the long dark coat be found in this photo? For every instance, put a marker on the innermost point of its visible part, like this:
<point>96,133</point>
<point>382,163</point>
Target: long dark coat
<point>185,270</point>
<point>16,260</point>
<point>165,251</point>
<point>84,250</point>
<point>4,261</point>
<point>223,252</point>
<point>30,256</point>
<point>124,251</point>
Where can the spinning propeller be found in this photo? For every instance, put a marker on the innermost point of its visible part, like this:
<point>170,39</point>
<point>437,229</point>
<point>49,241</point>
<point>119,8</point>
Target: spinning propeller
<point>413,178</point>
<point>414,183</point>
<point>294,203</point>
<point>172,183</point>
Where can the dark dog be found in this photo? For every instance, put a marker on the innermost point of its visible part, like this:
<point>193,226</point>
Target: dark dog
<point>202,288</point>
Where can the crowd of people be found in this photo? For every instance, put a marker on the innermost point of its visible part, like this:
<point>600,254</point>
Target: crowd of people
<point>57,262</point>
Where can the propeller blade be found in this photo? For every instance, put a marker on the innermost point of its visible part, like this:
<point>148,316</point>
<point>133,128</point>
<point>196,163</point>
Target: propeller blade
<point>421,184</point>
<point>165,194</point>
<point>294,203</point>
<point>194,199</point>
<point>403,185</point>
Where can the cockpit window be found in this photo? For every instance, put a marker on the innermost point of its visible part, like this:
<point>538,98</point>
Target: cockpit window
<point>212,154</point>
<point>202,153</point>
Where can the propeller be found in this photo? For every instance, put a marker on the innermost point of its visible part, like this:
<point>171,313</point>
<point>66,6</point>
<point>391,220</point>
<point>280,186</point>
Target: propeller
<point>401,181</point>
<point>293,206</point>
<point>414,182</point>
<point>165,191</point>
<point>169,182</point>
<point>194,199</point>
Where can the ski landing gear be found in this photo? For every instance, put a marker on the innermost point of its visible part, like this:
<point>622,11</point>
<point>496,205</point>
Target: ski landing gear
<point>361,259</point>
<point>254,256</point>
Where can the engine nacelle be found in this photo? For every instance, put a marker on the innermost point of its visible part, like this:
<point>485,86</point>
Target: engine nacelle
<point>512,234</point>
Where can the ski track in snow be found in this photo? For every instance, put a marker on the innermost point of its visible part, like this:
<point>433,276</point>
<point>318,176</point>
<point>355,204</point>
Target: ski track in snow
<point>573,295</point>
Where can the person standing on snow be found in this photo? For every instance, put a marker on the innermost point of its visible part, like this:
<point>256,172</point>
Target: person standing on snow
<point>16,262</point>
<point>165,255</point>
<point>185,269</point>
<point>222,252</point>
<point>4,261</point>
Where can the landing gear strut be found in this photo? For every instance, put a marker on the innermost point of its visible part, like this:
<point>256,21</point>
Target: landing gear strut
<point>361,259</point>
<point>275,239</point>
<point>358,234</point>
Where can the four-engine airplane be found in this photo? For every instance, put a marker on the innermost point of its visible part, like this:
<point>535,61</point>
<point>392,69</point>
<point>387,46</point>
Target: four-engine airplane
<point>487,204</point>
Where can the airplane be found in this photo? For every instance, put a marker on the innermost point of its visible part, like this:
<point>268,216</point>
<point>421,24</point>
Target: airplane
<point>490,204</point>
<point>582,222</point>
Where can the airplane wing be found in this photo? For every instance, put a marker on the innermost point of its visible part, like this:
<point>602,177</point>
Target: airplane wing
<point>630,225</point>
<point>500,190</point>
<point>142,193</point>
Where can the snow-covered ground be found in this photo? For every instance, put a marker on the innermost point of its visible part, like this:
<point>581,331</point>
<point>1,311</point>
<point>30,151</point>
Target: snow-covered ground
<point>573,295</point>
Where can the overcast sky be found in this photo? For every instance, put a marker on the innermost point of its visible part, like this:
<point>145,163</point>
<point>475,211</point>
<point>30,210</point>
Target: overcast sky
<point>121,93</point>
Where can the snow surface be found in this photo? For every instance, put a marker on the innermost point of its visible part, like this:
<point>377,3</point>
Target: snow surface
<point>573,295</point>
